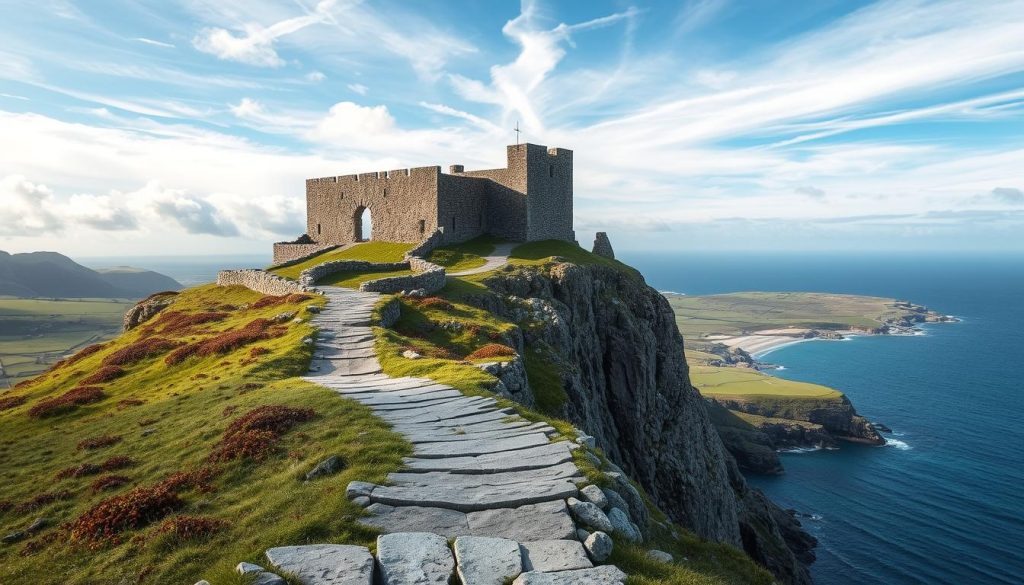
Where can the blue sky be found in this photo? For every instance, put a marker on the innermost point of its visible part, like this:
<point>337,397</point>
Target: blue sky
<point>185,127</point>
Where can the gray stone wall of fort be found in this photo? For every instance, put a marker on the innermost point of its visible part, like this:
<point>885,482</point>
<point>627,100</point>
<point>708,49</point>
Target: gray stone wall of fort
<point>402,204</point>
<point>287,253</point>
<point>261,281</point>
<point>549,189</point>
<point>461,207</point>
<point>506,195</point>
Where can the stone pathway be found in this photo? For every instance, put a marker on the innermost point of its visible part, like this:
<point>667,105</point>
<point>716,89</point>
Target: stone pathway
<point>496,485</point>
<point>493,261</point>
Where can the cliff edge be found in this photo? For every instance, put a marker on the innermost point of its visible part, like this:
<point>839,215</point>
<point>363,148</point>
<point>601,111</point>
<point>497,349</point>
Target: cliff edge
<point>612,346</point>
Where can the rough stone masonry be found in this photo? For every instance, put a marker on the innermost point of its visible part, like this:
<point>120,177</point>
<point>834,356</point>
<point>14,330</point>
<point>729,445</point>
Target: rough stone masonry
<point>528,200</point>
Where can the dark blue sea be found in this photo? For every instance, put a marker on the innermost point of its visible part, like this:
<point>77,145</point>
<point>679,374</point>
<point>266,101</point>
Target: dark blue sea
<point>944,502</point>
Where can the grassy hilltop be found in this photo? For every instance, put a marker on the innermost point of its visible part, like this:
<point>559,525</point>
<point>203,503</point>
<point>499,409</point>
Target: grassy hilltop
<point>179,448</point>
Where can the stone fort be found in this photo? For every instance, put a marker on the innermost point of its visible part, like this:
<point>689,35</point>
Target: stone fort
<point>530,199</point>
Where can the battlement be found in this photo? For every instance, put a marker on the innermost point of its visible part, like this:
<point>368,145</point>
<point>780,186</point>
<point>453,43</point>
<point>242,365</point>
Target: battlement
<point>530,198</point>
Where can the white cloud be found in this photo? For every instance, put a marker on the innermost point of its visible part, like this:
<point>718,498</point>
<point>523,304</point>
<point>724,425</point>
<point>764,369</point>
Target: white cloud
<point>358,88</point>
<point>348,120</point>
<point>28,208</point>
<point>254,45</point>
<point>100,212</point>
<point>315,76</point>
<point>1008,195</point>
<point>154,43</point>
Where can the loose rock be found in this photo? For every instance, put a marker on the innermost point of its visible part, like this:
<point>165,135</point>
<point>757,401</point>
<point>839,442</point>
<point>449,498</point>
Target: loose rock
<point>329,466</point>
<point>599,546</point>
<point>358,488</point>
<point>661,556</point>
<point>623,526</point>
<point>590,515</point>
<point>594,495</point>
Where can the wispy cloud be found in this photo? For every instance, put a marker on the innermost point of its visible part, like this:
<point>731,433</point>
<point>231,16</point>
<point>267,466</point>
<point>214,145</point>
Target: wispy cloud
<point>154,43</point>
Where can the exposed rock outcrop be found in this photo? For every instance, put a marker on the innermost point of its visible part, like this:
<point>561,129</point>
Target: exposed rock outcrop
<point>620,356</point>
<point>146,308</point>
<point>830,420</point>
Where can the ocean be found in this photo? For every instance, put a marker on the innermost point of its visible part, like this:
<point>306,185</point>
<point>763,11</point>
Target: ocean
<point>942,503</point>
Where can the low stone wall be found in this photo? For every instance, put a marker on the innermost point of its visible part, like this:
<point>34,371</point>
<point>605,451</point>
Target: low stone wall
<point>390,312</point>
<point>431,281</point>
<point>424,248</point>
<point>311,276</point>
<point>286,254</point>
<point>261,281</point>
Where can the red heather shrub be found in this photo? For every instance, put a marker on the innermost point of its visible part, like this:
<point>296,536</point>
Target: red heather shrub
<point>43,499</point>
<point>9,402</point>
<point>492,350</point>
<point>192,527</point>
<point>271,300</point>
<point>104,374</point>
<point>99,442</point>
<point>68,401</point>
<point>198,479</point>
<point>117,462</point>
<point>79,471</point>
<point>80,355</point>
<point>434,303</point>
<point>178,322</point>
<point>109,482</point>
<point>33,546</point>
<point>5,505</point>
<point>258,351</point>
<point>255,434</point>
<point>134,509</point>
<point>226,342</point>
<point>123,404</point>
<point>138,351</point>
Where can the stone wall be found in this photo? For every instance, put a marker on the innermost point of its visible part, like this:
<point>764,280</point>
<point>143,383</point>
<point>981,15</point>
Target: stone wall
<point>424,248</point>
<point>311,276</point>
<point>286,254</point>
<point>261,281</point>
<point>506,195</point>
<point>402,204</point>
<point>431,281</point>
<point>462,207</point>
<point>549,194</point>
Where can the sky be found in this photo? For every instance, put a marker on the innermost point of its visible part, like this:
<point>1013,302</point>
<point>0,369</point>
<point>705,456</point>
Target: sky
<point>176,127</point>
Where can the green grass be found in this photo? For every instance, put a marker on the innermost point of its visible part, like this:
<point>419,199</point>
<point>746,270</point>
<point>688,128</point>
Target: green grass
<point>40,330</point>
<point>188,406</point>
<point>354,279</point>
<point>464,256</point>
<point>547,251</point>
<point>736,313</point>
<point>367,251</point>
<point>744,382</point>
<point>545,382</point>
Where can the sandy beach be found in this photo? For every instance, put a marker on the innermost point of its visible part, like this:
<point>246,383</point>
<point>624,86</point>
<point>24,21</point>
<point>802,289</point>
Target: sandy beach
<point>764,342</point>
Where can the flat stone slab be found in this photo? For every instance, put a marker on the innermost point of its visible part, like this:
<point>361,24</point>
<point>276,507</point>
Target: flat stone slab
<point>482,560</point>
<point>604,575</point>
<point>325,564</point>
<point>543,521</point>
<point>479,446</point>
<point>554,555</point>
<point>414,558</point>
<point>439,478</point>
<point>417,518</point>
<point>468,499</point>
<point>532,458</point>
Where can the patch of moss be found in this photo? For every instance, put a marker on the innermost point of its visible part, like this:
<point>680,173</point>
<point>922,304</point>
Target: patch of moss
<point>546,383</point>
<point>367,251</point>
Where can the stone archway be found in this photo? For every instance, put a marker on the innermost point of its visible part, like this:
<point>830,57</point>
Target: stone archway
<point>362,222</point>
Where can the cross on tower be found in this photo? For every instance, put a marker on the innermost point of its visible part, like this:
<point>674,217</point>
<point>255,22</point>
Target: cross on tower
<point>517,132</point>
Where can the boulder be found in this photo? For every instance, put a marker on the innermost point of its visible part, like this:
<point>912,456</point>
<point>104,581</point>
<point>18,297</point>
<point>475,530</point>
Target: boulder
<point>359,488</point>
<point>594,495</point>
<point>414,558</point>
<point>482,560</point>
<point>623,526</point>
<point>599,546</point>
<point>258,575</point>
<point>329,466</point>
<point>589,514</point>
<point>660,556</point>
<point>603,246</point>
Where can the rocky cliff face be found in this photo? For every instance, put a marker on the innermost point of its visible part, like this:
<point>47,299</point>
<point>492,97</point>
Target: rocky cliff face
<point>831,420</point>
<point>620,357</point>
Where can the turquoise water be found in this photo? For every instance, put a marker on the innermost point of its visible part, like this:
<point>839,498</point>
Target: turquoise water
<point>944,502</point>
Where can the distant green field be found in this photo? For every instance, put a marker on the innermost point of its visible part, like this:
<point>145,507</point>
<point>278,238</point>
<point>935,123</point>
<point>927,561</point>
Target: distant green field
<point>36,332</point>
<point>719,382</point>
<point>368,251</point>
<point>735,313</point>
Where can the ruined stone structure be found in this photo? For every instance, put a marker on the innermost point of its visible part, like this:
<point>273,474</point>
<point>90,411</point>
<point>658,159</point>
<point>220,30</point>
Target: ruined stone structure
<point>530,199</point>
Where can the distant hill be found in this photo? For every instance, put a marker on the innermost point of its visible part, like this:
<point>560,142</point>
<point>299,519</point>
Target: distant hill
<point>49,274</point>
